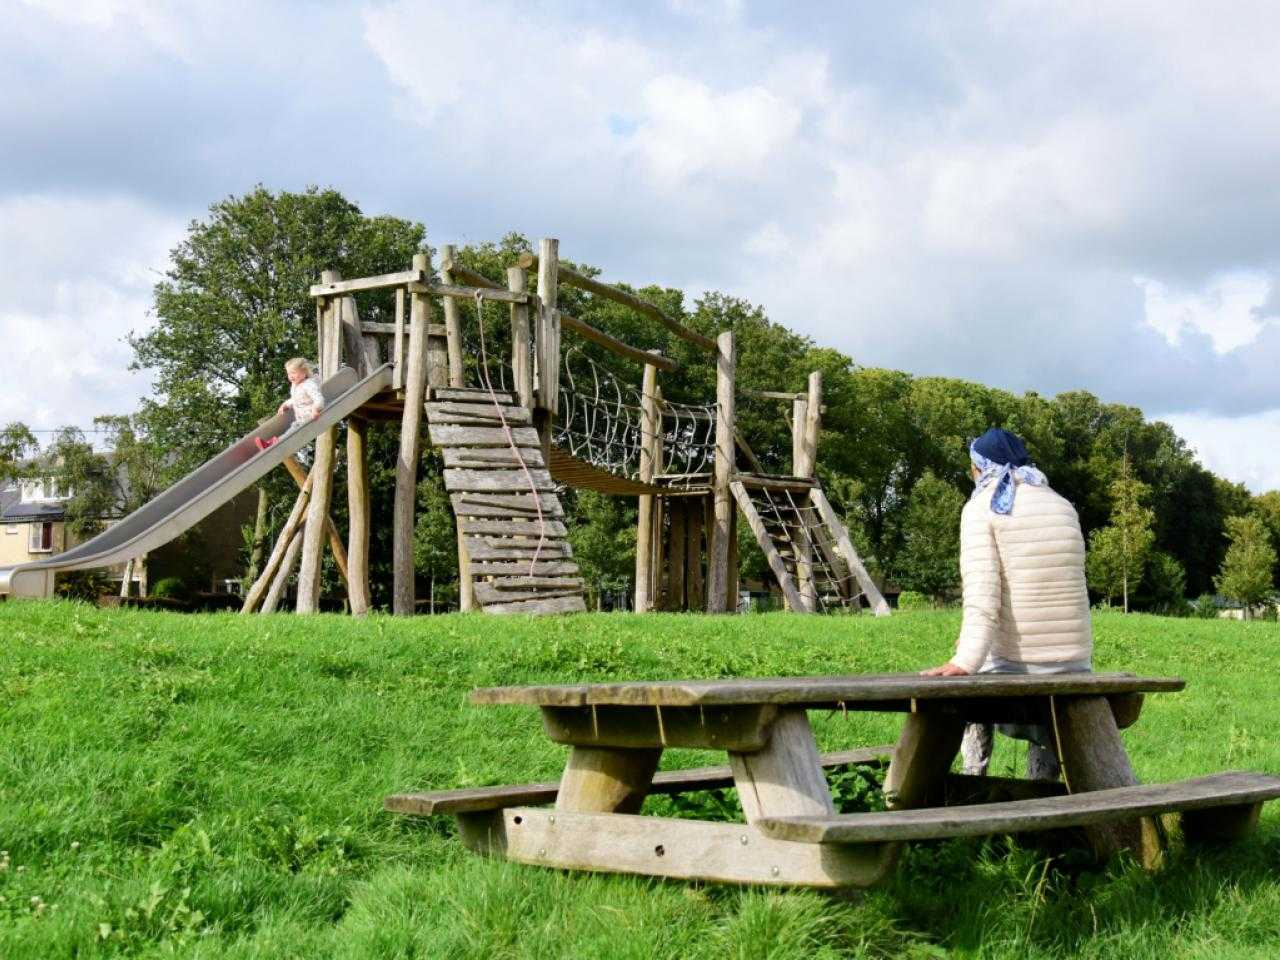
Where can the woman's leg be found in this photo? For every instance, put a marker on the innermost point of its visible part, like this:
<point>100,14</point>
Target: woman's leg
<point>975,748</point>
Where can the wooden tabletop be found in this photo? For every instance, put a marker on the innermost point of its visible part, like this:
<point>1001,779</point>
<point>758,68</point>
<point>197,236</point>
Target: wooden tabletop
<point>821,691</point>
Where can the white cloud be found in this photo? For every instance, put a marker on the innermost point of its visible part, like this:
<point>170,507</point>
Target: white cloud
<point>1227,310</point>
<point>1241,448</point>
<point>79,274</point>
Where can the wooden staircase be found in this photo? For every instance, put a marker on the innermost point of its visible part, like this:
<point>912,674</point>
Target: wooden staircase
<point>519,563</point>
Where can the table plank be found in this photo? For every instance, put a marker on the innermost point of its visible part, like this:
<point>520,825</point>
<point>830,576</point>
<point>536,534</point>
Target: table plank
<point>824,691</point>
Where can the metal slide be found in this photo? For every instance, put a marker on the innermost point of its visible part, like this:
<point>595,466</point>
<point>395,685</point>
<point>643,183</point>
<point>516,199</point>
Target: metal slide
<point>201,492</point>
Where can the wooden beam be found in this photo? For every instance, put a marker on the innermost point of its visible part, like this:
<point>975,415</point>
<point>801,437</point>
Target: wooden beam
<point>449,264</point>
<point>766,544</point>
<point>795,484</point>
<point>433,329</point>
<point>335,286</point>
<point>869,589</point>
<point>644,307</point>
<point>547,332</point>
<point>359,510</point>
<point>300,475</point>
<point>363,350</point>
<point>718,557</point>
<point>415,388</point>
<point>397,354</point>
<point>452,323</point>
<point>258,591</point>
<point>281,582</point>
<point>468,293</point>
<point>646,575</point>
<point>521,342</point>
<point>614,345</point>
<point>316,532</point>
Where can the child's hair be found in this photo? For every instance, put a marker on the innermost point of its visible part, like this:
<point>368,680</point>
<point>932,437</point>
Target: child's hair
<point>298,363</point>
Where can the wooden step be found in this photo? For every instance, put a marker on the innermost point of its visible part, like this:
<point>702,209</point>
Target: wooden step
<point>512,528</point>
<point>497,481</point>
<point>1229,790</point>
<point>476,414</point>
<point>470,395</point>
<point>535,583</point>
<point>480,458</point>
<point>474,799</point>
<point>484,548</point>
<point>506,506</point>
<point>487,594</point>
<point>573,604</point>
<point>523,568</point>
<point>452,435</point>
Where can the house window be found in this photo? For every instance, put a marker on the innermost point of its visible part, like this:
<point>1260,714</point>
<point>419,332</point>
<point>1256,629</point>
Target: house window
<point>11,528</point>
<point>41,537</point>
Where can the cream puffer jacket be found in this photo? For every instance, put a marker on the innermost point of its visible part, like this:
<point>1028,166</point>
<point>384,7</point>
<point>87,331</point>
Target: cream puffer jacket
<point>1024,588</point>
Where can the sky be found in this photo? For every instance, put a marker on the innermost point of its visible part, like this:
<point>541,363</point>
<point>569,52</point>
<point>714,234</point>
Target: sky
<point>1034,195</point>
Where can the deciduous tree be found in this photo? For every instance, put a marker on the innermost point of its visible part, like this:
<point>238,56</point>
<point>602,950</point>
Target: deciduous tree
<point>1250,562</point>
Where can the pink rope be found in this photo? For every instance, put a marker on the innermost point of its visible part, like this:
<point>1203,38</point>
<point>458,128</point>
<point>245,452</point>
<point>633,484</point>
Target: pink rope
<point>506,429</point>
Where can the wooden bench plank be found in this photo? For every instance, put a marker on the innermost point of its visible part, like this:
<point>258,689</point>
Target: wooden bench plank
<point>472,799</point>
<point>825,691</point>
<point>1233,789</point>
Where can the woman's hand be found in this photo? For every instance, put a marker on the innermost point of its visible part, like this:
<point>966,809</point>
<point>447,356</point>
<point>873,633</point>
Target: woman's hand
<point>946,670</point>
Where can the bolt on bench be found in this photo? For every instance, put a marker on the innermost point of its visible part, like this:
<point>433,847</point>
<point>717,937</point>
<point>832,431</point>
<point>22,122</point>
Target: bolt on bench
<point>793,835</point>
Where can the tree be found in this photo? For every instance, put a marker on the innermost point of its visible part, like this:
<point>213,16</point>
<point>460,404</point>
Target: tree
<point>17,446</point>
<point>603,536</point>
<point>1118,553</point>
<point>1250,562</point>
<point>929,560</point>
<point>435,537</point>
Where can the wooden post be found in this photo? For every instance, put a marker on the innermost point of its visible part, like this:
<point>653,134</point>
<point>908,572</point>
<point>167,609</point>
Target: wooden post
<point>466,581</point>
<point>656,594</point>
<point>358,508</point>
<point>397,346</point>
<point>547,346</point>
<point>676,595</point>
<point>287,566</point>
<point>299,474</point>
<point>521,355</point>
<point>415,388</point>
<point>799,414</point>
<point>694,527</point>
<point>733,586</point>
<point>645,574</point>
<point>718,561</point>
<point>806,422</point>
<point>316,531</point>
<point>362,350</point>
<point>127,579</point>
<point>452,321</point>
<point>267,577</point>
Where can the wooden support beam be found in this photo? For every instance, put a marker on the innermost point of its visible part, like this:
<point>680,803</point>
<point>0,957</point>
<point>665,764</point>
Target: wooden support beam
<point>288,565</point>
<point>617,295</point>
<point>467,293</point>
<point>776,563</point>
<point>869,589</point>
<point>718,560</point>
<point>694,526</point>
<point>521,341</point>
<point>335,285</point>
<point>397,349</point>
<point>452,322</point>
<point>360,345</point>
<point>258,590</point>
<point>383,329</point>
<point>300,475</point>
<point>415,388</point>
<point>677,596</point>
<point>316,532</point>
<point>646,575</point>
<point>358,510</point>
<point>614,345</point>
<point>449,265</point>
<point>547,333</point>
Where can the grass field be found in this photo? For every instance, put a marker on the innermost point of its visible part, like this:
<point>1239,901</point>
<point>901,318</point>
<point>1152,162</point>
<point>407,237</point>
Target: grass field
<point>211,786</point>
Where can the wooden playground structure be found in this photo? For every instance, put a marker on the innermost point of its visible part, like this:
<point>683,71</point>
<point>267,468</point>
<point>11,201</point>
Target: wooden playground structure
<point>540,419</point>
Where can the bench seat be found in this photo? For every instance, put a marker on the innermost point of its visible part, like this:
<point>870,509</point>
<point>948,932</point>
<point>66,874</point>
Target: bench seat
<point>476,799</point>
<point>1230,790</point>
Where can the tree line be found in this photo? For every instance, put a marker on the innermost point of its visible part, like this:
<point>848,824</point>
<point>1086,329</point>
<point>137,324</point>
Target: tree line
<point>233,305</point>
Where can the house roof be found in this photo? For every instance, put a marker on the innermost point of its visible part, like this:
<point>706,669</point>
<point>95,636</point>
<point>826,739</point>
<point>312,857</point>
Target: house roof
<point>19,512</point>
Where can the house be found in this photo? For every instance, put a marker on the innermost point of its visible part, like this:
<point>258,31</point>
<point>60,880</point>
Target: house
<point>33,527</point>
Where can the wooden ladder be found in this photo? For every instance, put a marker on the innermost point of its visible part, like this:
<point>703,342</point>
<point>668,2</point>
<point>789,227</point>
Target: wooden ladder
<point>520,564</point>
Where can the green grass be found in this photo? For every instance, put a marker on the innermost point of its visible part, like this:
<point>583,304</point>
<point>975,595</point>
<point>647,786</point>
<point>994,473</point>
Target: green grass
<point>211,786</point>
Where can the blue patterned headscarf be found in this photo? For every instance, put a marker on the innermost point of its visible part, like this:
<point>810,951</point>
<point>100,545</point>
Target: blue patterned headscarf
<point>1002,459</point>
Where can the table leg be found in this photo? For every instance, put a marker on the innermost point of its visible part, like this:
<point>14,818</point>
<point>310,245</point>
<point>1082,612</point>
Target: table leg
<point>785,779</point>
<point>1093,758</point>
<point>607,779</point>
<point>922,759</point>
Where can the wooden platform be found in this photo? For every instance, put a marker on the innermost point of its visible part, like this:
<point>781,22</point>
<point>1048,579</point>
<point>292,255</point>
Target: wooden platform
<point>510,520</point>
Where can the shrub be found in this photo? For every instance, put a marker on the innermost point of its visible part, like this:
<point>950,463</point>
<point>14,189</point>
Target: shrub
<point>1204,607</point>
<point>170,588</point>
<point>912,600</point>
<point>81,584</point>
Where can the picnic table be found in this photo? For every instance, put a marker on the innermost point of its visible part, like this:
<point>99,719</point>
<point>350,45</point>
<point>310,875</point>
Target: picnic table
<point>793,835</point>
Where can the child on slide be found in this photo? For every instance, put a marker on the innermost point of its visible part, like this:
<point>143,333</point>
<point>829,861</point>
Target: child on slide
<point>305,399</point>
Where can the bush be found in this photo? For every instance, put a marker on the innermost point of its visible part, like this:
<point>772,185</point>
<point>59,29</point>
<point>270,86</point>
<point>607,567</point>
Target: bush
<point>81,584</point>
<point>1204,607</point>
<point>912,600</point>
<point>170,588</point>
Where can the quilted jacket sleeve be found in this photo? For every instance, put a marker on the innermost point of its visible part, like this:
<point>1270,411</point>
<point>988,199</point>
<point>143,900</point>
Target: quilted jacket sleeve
<point>980,573</point>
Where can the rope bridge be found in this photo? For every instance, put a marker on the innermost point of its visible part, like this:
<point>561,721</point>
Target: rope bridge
<point>601,421</point>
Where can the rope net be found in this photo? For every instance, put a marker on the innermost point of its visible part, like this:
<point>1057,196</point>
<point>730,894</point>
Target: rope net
<point>808,548</point>
<point>601,421</point>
